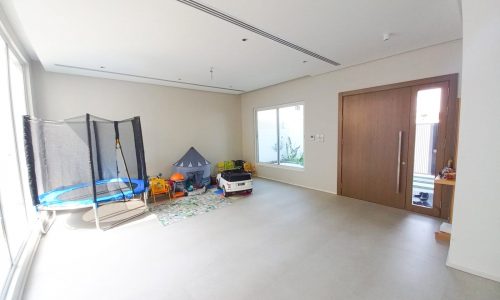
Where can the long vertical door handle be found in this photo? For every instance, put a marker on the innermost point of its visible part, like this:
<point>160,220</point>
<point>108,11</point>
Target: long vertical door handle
<point>398,172</point>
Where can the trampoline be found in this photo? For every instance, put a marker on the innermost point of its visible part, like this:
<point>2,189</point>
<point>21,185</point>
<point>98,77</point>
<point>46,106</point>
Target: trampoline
<point>77,196</point>
<point>84,161</point>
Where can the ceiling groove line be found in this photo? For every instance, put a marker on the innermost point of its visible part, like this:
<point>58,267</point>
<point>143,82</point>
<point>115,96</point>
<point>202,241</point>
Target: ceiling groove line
<point>147,77</point>
<point>256,30</point>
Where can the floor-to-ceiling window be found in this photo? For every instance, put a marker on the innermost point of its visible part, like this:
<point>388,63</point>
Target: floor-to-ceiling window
<point>15,215</point>
<point>280,135</point>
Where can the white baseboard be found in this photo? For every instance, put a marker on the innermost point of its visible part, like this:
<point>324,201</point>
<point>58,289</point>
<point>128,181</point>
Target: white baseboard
<point>471,271</point>
<point>307,187</point>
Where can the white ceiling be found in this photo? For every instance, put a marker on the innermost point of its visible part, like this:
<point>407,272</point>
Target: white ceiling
<point>167,42</point>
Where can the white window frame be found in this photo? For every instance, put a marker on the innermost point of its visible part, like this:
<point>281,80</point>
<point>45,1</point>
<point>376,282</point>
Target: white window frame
<point>12,46</point>
<point>20,261</point>
<point>256,130</point>
<point>12,43</point>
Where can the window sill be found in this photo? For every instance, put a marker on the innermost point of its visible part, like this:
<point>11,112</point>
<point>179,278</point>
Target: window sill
<point>284,167</point>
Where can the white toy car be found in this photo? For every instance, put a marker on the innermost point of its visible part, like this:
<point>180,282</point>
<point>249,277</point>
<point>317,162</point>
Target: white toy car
<point>234,181</point>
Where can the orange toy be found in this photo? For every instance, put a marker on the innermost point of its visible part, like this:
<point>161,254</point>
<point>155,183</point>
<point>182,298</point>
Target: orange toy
<point>177,177</point>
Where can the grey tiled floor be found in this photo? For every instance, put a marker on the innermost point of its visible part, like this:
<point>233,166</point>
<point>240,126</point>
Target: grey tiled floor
<point>283,242</point>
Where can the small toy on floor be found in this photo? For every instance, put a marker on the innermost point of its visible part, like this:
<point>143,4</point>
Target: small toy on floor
<point>234,181</point>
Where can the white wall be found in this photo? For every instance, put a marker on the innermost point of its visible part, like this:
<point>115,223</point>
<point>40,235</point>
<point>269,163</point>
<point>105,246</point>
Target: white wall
<point>320,94</point>
<point>173,119</point>
<point>475,244</point>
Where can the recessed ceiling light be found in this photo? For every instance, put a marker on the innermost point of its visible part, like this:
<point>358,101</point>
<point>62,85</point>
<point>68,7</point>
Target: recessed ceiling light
<point>304,61</point>
<point>244,39</point>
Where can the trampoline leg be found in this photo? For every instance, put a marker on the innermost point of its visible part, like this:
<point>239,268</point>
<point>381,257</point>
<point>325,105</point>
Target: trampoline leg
<point>145,198</point>
<point>50,220</point>
<point>96,217</point>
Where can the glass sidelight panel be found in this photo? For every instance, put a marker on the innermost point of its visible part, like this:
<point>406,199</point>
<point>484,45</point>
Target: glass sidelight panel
<point>426,143</point>
<point>267,138</point>
<point>286,122</point>
<point>291,131</point>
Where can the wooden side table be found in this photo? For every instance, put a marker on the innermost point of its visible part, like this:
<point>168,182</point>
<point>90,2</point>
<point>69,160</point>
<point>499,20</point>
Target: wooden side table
<point>444,233</point>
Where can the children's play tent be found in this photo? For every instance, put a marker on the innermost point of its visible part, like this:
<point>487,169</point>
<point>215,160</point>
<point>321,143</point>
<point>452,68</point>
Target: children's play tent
<point>194,167</point>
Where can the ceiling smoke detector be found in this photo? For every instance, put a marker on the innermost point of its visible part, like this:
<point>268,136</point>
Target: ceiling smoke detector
<point>386,36</point>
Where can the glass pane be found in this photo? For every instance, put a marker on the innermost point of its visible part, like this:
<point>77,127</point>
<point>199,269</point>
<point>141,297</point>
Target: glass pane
<point>267,136</point>
<point>292,135</point>
<point>426,138</point>
<point>19,109</point>
<point>12,201</point>
<point>5,261</point>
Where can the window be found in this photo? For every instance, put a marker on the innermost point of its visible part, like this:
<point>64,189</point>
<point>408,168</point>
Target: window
<point>280,135</point>
<point>14,220</point>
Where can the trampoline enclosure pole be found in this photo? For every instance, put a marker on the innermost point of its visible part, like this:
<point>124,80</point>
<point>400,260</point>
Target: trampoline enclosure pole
<point>139,152</point>
<point>119,146</point>
<point>30,160</point>
<point>91,160</point>
<point>96,215</point>
<point>94,192</point>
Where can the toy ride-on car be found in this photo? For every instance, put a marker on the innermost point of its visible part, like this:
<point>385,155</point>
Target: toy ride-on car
<point>234,181</point>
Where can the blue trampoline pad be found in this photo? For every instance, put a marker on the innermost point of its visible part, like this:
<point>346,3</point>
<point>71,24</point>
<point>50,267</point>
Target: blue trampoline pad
<point>81,195</point>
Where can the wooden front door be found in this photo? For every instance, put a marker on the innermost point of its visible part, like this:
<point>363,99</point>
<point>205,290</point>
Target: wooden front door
<point>380,129</point>
<point>374,151</point>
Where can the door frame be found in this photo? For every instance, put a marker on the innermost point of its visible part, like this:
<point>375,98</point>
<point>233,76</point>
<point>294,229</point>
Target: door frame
<point>449,117</point>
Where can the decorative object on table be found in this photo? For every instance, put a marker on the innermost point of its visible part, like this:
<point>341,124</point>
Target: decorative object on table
<point>448,172</point>
<point>176,210</point>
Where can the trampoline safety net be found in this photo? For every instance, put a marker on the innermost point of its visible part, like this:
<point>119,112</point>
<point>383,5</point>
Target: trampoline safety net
<point>84,161</point>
